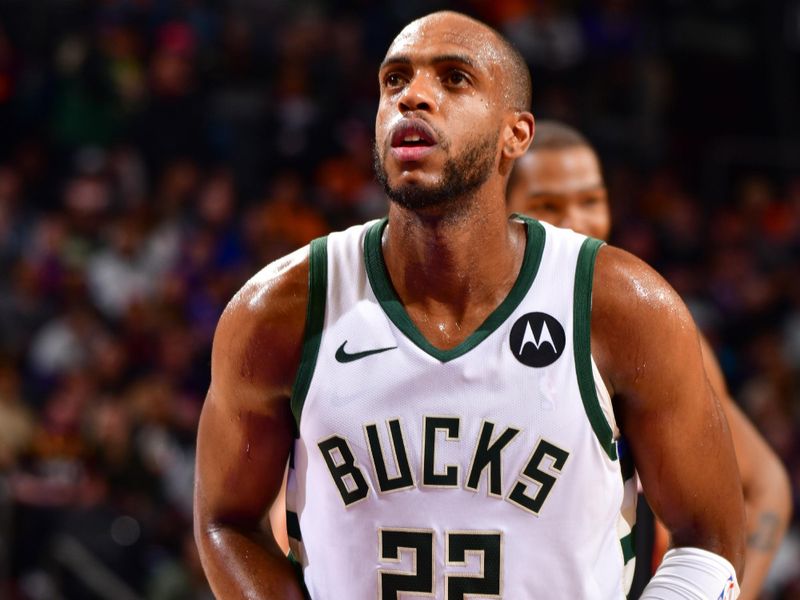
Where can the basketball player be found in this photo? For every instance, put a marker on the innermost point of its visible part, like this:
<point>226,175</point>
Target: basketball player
<point>560,181</point>
<point>441,382</point>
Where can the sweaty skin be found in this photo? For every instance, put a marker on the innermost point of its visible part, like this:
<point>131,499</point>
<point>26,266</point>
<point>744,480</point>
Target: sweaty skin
<point>246,431</point>
<point>452,263</point>
<point>565,187</point>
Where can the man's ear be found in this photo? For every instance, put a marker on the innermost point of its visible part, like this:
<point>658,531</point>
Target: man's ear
<point>518,134</point>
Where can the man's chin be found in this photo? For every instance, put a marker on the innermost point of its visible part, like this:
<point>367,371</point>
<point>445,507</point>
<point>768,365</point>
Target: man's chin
<point>412,174</point>
<point>417,196</point>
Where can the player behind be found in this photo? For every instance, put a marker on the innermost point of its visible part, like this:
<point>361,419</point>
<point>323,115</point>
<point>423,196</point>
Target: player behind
<point>560,181</point>
<point>441,381</point>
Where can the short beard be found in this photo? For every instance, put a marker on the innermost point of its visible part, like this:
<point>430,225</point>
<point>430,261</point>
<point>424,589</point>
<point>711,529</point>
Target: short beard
<point>461,177</point>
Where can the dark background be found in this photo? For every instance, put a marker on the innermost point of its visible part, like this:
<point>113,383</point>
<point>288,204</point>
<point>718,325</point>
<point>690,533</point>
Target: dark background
<point>155,153</point>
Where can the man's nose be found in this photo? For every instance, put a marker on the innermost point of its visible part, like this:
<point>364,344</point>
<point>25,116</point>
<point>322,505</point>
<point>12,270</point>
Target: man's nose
<point>570,219</point>
<point>419,94</point>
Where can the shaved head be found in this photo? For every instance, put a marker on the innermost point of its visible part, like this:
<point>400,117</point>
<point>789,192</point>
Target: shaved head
<point>552,135</point>
<point>516,82</point>
<point>555,135</point>
<point>452,116</point>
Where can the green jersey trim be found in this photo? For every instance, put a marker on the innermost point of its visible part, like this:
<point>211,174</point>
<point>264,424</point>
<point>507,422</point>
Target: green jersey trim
<point>582,345</point>
<point>315,318</point>
<point>627,542</point>
<point>387,296</point>
<point>628,545</point>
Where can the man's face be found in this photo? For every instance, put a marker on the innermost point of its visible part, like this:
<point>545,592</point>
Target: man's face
<point>563,187</point>
<point>440,114</point>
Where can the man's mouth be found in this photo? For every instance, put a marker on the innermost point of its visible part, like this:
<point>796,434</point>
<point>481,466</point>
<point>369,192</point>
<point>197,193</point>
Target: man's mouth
<point>412,140</point>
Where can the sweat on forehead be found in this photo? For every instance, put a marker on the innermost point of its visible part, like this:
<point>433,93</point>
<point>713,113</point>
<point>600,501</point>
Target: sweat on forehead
<point>487,44</point>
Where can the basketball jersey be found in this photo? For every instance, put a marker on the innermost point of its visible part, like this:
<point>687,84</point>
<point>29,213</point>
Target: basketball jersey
<point>489,470</point>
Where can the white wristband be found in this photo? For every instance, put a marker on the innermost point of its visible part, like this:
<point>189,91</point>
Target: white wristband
<point>692,574</point>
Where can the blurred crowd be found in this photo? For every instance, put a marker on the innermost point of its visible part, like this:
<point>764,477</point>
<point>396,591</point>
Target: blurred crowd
<point>156,153</point>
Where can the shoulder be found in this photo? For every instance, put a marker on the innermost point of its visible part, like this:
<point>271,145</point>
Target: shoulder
<point>260,333</point>
<point>635,314</point>
<point>625,286</point>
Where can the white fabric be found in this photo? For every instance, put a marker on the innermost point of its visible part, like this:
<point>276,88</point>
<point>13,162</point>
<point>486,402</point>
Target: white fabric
<point>693,574</point>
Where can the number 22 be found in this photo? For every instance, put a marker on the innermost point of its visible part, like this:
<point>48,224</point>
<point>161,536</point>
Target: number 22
<point>421,579</point>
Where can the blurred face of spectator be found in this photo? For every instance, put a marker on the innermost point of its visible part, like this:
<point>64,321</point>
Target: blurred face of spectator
<point>87,199</point>
<point>176,351</point>
<point>563,187</point>
<point>151,399</point>
<point>177,184</point>
<point>126,237</point>
<point>110,359</point>
<point>200,250</point>
<point>171,74</point>
<point>64,409</point>
<point>172,70</point>
<point>217,205</point>
<point>755,195</point>
<point>49,236</point>
<point>111,424</point>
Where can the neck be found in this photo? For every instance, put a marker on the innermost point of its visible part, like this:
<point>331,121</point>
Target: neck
<point>455,268</point>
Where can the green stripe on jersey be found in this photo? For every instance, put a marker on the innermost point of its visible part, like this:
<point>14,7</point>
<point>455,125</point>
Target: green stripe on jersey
<point>582,345</point>
<point>394,309</point>
<point>628,545</point>
<point>315,318</point>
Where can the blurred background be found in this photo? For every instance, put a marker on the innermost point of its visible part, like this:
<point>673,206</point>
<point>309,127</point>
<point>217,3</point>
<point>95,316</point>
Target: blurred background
<point>156,153</point>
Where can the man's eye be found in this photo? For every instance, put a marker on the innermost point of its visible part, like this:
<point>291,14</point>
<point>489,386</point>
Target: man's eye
<point>590,201</point>
<point>456,78</point>
<point>393,80</point>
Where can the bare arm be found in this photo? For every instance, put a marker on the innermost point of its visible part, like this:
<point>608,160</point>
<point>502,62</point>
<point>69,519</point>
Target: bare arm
<point>245,434</point>
<point>647,348</point>
<point>767,494</point>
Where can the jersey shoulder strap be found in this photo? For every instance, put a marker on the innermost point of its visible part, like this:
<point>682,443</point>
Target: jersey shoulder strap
<point>315,318</point>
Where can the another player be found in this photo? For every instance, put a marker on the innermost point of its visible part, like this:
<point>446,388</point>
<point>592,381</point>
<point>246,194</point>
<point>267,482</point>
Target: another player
<point>560,181</point>
<point>443,381</point>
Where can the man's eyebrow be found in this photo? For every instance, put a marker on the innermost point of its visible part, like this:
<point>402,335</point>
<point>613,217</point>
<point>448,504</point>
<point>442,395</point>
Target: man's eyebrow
<point>397,59</point>
<point>402,59</point>
<point>454,58</point>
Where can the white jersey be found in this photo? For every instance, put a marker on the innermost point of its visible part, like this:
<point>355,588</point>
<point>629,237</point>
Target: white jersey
<point>490,470</point>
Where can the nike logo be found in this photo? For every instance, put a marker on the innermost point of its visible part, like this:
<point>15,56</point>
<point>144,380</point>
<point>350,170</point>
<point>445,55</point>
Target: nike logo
<point>345,357</point>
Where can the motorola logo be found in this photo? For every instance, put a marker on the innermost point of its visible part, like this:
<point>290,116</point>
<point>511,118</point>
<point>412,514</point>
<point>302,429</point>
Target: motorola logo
<point>537,339</point>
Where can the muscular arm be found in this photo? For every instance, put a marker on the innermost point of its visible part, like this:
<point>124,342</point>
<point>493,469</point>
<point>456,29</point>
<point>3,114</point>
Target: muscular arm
<point>767,495</point>
<point>647,348</point>
<point>245,434</point>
